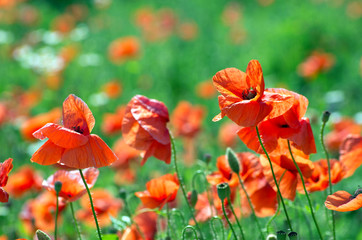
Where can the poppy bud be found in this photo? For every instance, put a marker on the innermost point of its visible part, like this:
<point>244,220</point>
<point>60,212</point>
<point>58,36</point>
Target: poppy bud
<point>223,191</point>
<point>281,235</point>
<point>58,187</point>
<point>42,235</point>
<point>293,236</point>
<point>271,237</point>
<point>233,160</point>
<point>325,116</point>
<point>122,194</point>
<point>193,198</point>
<point>207,158</point>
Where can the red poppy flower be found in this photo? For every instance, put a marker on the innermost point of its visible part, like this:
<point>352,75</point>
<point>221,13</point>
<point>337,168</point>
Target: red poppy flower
<point>351,154</point>
<point>147,223</point>
<point>342,201</point>
<point>244,99</point>
<point>291,125</point>
<point>319,180</point>
<point>227,136</point>
<point>340,130</point>
<point>315,63</point>
<point>112,89</point>
<point>159,191</point>
<point>23,180</point>
<point>144,128</point>
<point>188,31</point>
<point>205,90</point>
<point>124,153</point>
<point>72,183</point>
<point>283,166</point>
<point>112,123</point>
<point>35,123</point>
<point>105,205</point>
<point>39,213</point>
<point>123,49</point>
<point>5,168</point>
<point>73,145</point>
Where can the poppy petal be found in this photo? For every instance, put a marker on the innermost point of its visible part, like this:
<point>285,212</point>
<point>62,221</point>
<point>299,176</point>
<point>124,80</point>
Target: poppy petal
<point>77,115</point>
<point>47,154</point>
<point>304,139</point>
<point>94,154</point>
<point>342,201</point>
<point>278,103</point>
<point>147,200</point>
<point>61,136</point>
<point>254,77</point>
<point>4,196</point>
<point>159,151</point>
<point>230,82</point>
<point>5,169</point>
<point>351,154</point>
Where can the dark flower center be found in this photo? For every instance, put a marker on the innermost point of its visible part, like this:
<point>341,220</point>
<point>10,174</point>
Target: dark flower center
<point>78,129</point>
<point>248,94</point>
<point>284,126</point>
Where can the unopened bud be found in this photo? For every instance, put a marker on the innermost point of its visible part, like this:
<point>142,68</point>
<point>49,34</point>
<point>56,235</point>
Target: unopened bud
<point>271,237</point>
<point>193,198</point>
<point>223,191</point>
<point>281,235</point>
<point>325,116</point>
<point>293,236</point>
<point>207,158</point>
<point>233,160</point>
<point>42,235</point>
<point>122,194</point>
<point>57,187</point>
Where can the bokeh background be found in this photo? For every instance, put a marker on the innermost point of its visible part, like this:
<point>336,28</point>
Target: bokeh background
<point>107,51</point>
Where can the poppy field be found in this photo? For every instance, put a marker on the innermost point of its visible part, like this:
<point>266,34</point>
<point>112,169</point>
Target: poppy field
<point>180,119</point>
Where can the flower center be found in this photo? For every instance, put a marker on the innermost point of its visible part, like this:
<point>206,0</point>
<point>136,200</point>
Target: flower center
<point>78,129</point>
<point>248,94</point>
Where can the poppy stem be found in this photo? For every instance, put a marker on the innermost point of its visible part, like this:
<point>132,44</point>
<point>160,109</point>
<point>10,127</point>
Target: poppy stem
<point>175,212</point>
<point>199,172</point>
<point>306,192</point>
<point>91,203</point>
<point>183,187</point>
<point>236,218</point>
<point>189,227</point>
<point>75,221</point>
<point>168,222</point>
<point>56,217</point>
<point>275,180</point>
<point>251,207</point>
<point>227,219</point>
<point>329,175</point>
<point>213,226</point>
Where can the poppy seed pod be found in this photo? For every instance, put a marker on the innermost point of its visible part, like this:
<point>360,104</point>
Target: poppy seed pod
<point>325,116</point>
<point>281,235</point>
<point>223,191</point>
<point>193,198</point>
<point>58,187</point>
<point>293,236</point>
<point>233,160</point>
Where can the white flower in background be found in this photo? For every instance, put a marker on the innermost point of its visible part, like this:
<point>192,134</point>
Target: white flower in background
<point>89,59</point>
<point>333,97</point>
<point>98,99</point>
<point>358,117</point>
<point>52,38</point>
<point>6,37</point>
<point>80,33</point>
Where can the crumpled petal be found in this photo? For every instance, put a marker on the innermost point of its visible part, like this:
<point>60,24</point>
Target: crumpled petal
<point>342,201</point>
<point>61,136</point>
<point>47,154</point>
<point>231,82</point>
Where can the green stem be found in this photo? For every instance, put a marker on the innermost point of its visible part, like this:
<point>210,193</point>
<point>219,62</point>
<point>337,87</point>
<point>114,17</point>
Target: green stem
<point>213,226</point>
<point>275,180</point>
<point>168,222</point>
<point>185,229</point>
<point>236,218</point>
<point>183,187</point>
<point>199,172</point>
<point>251,206</point>
<point>329,176</point>
<point>305,190</point>
<point>227,219</point>
<point>91,203</point>
<point>75,221</point>
<point>126,207</point>
<point>175,211</point>
<point>56,217</point>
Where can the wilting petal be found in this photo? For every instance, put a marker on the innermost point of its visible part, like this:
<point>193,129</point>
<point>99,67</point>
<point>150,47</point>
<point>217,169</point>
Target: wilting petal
<point>277,103</point>
<point>342,201</point>
<point>47,154</point>
<point>254,77</point>
<point>152,115</point>
<point>231,82</point>
<point>61,136</point>
<point>5,169</point>
<point>95,153</point>
<point>77,116</point>
<point>4,196</point>
<point>351,154</point>
<point>159,151</point>
<point>304,139</point>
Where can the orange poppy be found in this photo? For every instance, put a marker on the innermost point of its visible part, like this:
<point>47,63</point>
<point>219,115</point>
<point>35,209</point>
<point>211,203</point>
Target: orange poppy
<point>243,98</point>
<point>3,113</point>
<point>53,80</point>
<point>188,31</point>
<point>319,180</point>
<point>73,145</point>
<point>205,90</point>
<point>232,13</point>
<point>35,123</point>
<point>105,205</point>
<point>123,48</point>
<point>340,130</point>
<point>124,153</point>
<point>72,183</point>
<point>63,23</point>
<point>315,63</point>
<point>112,123</point>
<point>351,154</point>
<point>147,223</point>
<point>291,125</point>
<point>5,168</point>
<point>112,89</point>
<point>227,136</point>
<point>23,180</point>
<point>159,191</point>
<point>39,213</point>
<point>283,166</point>
<point>68,53</point>
<point>342,201</point>
<point>144,128</point>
